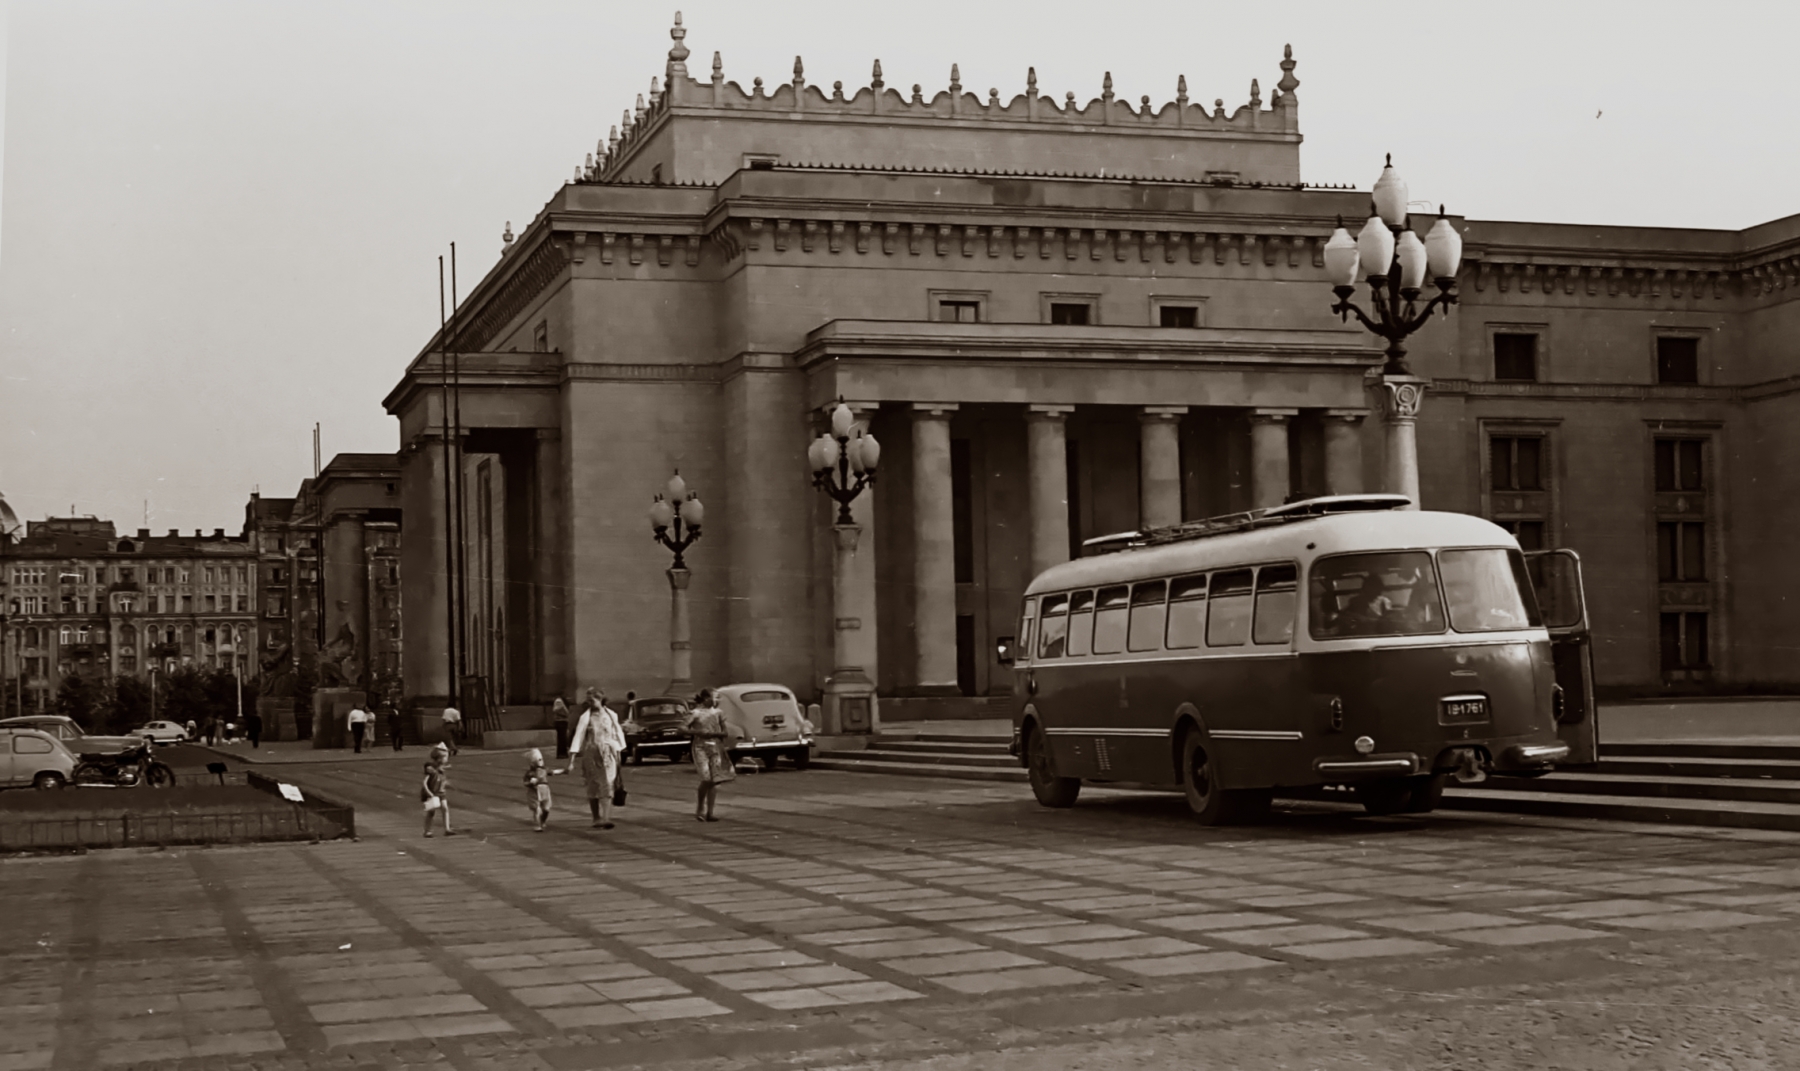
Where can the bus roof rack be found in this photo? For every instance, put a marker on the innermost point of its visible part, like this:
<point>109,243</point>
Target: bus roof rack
<point>1239,522</point>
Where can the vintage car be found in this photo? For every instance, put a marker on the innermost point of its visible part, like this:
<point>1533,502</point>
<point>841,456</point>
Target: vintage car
<point>33,758</point>
<point>655,726</point>
<point>766,722</point>
<point>161,732</point>
<point>70,732</point>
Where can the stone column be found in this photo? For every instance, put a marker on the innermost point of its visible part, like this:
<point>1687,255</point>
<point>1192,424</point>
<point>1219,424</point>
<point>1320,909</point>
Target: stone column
<point>681,647</point>
<point>549,564</point>
<point>1159,466</point>
<point>1269,483</point>
<point>424,575</point>
<point>934,560</point>
<point>1401,397</point>
<point>1047,454</point>
<point>1343,451</point>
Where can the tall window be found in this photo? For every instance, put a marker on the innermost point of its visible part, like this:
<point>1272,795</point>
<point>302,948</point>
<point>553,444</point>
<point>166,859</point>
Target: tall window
<point>1682,513</point>
<point>1515,356</point>
<point>1518,478</point>
<point>1678,465</point>
<point>1680,551</point>
<point>1677,360</point>
<point>1684,642</point>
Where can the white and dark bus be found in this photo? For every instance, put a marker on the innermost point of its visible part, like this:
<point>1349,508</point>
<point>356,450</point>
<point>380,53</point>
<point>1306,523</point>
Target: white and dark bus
<point>1336,641</point>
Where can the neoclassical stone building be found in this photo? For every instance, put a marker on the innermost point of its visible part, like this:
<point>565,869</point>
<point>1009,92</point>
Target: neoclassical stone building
<point>1061,320</point>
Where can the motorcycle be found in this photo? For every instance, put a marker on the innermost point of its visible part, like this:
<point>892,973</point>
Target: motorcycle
<point>134,766</point>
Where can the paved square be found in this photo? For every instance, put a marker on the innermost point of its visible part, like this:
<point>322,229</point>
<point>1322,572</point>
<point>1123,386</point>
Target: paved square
<point>835,910</point>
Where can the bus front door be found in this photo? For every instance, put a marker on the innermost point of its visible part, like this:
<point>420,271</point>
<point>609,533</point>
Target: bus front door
<point>1556,574</point>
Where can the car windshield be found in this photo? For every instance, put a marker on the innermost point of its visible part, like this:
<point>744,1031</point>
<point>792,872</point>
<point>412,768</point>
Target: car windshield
<point>1488,590</point>
<point>1388,594</point>
<point>661,711</point>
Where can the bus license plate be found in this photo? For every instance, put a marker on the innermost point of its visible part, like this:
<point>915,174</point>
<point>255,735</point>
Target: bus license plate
<point>1463,710</point>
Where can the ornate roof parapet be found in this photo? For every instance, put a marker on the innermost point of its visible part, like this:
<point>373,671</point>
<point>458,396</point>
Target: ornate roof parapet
<point>798,100</point>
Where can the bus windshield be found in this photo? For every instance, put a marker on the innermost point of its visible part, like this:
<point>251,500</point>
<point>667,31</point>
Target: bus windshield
<point>1488,590</point>
<point>1387,594</point>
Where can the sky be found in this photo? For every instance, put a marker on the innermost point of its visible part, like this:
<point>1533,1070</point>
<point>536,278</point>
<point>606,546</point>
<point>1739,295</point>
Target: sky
<point>220,220</point>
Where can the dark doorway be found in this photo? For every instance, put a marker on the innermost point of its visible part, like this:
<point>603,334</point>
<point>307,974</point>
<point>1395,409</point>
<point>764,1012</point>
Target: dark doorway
<point>965,653</point>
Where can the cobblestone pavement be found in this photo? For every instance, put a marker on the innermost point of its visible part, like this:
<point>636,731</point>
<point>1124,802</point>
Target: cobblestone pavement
<point>846,920</point>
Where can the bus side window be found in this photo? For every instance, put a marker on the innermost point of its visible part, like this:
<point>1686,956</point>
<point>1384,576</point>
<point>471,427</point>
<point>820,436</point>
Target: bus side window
<point>1277,590</point>
<point>1148,601</point>
<point>1054,627</point>
<point>1228,616</point>
<point>1027,619</point>
<point>1112,606</point>
<point>1081,622</point>
<point>1187,612</point>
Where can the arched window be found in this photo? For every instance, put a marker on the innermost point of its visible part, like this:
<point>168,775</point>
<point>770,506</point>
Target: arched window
<point>126,546</point>
<point>127,636</point>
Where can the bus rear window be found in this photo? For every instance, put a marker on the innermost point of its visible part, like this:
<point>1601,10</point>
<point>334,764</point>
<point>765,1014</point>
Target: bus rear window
<point>1276,588</point>
<point>1488,590</point>
<point>1388,594</point>
<point>1109,619</point>
<point>1228,619</point>
<point>1147,602</point>
<point>1081,622</point>
<point>1053,628</point>
<point>1187,612</point>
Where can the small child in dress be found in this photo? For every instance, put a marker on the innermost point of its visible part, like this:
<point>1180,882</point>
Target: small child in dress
<point>537,789</point>
<point>434,789</point>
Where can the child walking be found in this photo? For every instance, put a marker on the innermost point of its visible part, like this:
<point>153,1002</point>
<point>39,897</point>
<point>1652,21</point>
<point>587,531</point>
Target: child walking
<point>537,789</point>
<point>433,791</point>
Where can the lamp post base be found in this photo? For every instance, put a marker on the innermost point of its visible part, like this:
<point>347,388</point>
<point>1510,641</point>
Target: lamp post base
<point>850,704</point>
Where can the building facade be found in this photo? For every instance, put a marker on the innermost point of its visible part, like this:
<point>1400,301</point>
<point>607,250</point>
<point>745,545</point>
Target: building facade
<point>1061,321</point>
<point>80,599</point>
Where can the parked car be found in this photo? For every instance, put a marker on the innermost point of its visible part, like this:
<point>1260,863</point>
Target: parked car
<point>73,736</point>
<point>31,757</point>
<point>766,721</point>
<point>162,732</point>
<point>654,727</point>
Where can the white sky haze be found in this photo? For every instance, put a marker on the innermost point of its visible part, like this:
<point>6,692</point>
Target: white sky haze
<point>219,220</point>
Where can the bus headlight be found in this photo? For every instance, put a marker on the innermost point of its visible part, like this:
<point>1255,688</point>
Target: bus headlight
<point>1365,745</point>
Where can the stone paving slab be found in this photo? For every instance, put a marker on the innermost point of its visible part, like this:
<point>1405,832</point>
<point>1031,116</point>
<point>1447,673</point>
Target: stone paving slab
<point>807,904</point>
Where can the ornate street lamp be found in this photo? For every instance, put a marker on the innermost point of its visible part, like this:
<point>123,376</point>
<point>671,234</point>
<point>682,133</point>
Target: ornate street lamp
<point>675,518</point>
<point>1396,263</point>
<point>843,462</point>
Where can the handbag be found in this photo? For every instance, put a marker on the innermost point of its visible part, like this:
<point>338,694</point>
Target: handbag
<point>619,787</point>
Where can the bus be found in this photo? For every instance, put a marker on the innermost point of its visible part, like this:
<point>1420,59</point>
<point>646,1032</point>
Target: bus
<point>1348,641</point>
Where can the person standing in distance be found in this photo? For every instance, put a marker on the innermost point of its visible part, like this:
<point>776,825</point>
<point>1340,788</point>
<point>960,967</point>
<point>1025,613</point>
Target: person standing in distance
<point>359,725</point>
<point>394,728</point>
<point>559,719</point>
<point>452,728</point>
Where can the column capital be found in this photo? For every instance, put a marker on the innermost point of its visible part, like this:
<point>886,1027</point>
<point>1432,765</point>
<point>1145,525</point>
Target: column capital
<point>1272,416</point>
<point>1048,412</point>
<point>1151,414</point>
<point>1401,397</point>
<point>934,410</point>
<point>1347,416</point>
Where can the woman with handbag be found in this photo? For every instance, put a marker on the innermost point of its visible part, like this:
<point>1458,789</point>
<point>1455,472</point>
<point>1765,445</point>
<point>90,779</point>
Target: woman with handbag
<point>597,744</point>
<point>712,754</point>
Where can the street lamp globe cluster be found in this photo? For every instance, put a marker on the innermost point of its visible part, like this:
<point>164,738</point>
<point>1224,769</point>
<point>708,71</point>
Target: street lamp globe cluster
<point>672,511</point>
<point>841,454</point>
<point>1396,262</point>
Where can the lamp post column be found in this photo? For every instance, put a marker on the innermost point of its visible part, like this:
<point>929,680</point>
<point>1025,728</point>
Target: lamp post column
<point>843,461</point>
<point>681,647</point>
<point>1401,398</point>
<point>849,693</point>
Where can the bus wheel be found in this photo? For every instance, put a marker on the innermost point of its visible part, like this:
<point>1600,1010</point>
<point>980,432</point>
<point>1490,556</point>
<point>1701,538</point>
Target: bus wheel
<point>1211,804</point>
<point>1427,793</point>
<point>1050,790</point>
<point>1389,796</point>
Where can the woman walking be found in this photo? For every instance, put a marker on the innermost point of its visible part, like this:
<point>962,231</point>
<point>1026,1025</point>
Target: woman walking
<point>711,750</point>
<point>597,744</point>
<point>434,790</point>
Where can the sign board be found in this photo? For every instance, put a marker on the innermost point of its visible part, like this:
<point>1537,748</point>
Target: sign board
<point>291,793</point>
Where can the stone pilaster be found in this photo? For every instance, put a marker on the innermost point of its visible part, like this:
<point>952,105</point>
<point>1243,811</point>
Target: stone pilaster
<point>1159,466</point>
<point>1269,477</point>
<point>1343,451</point>
<point>1047,459</point>
<point>934,560</point>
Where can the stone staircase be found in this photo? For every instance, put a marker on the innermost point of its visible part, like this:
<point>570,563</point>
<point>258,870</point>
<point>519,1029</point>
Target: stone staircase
<point>1746,786</point>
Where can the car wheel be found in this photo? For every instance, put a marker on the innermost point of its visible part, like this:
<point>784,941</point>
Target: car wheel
<point>637,757</point>
<point>1387,796</point>
<point>1427,793</point>
<point>47,781</point>
<point>1200,780</point>
<point>769,758</point>
<point>1050,789</point>
<point>802,757</point>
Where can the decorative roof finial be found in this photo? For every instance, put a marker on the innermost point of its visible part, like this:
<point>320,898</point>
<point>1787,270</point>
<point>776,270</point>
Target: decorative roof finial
<point>506,236</point>
<point>625,123</point>
<point>875,81</point>
<point>756,89</point>
<point>718,68</point>
<point>837,90</point>
<point>1181,97</point>
<point>638,117</point>
<point>1146,99</point>
<point>1288,82</point>
<point>678,54</point>
<point>612,141</point>
<point>590,163</point>
<point>655,93</point>
<point>918,94</point>
<point>993,97</point>
<point>1218,107</point>
<point>577,177</point>
<point>1255,94</point>
<point>1106,93</point>
<point>1031,82</point>
<point>955,78</point>
<point>1069,99</point>
<point>799,75</point>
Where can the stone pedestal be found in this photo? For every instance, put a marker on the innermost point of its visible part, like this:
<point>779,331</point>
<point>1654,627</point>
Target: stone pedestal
<point>277,717</point>
<point>331,715</point>
<point>849,694</point>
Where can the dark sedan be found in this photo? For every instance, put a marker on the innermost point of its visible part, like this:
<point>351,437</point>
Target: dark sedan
<point>654,727</point>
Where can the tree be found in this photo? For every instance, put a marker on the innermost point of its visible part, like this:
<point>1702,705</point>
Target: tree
<point>184,696</point>
<point>77,697</point>
<point>130,705</point>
